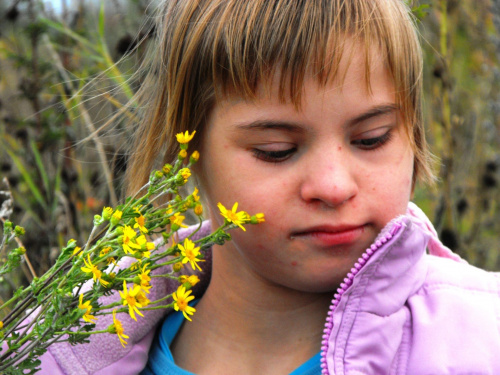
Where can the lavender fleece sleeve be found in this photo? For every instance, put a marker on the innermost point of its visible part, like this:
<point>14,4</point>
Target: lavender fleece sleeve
<point>104,354</point>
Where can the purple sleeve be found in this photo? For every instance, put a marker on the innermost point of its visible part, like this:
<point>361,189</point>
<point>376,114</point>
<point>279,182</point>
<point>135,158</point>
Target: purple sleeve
<point>49,365</point>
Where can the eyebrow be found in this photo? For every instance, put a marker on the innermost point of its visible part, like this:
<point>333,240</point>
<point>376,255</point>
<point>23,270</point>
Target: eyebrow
<point>271,125</point>
<point>379,110</point>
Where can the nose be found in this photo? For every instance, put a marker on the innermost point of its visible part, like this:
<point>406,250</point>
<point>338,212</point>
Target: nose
<point>329,180</point>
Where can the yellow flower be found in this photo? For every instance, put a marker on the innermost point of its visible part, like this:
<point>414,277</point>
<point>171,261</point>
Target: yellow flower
<point>260,218</point>
<point>118,329</point>
<point>106,213</point>
<point>193,279</point>
<point>92,268</point>
<point>186,137</point>
<point>232,216</point>
<point>143,300</point>
<point>177,266</point>
<point>128,235</point>
<point>183,154</point>
<point>182,298</point>
<point>116,217</point>
<point>166,168</point>
<point>198,209</point>
<point>177,219</point>
<point>139,223</point>
<point>144,244</point>
<point>76,250</point>
<point>129,298</point>
<point>185,173</point>
<point>135,265</point>
<point>104,251</point>
<point>190,253</point>
<point>195,156</point>
<point>144,279</point>
<point>1,324</point>
<point>87,307</point>
<point>144,275</point>
<point>195,195</point>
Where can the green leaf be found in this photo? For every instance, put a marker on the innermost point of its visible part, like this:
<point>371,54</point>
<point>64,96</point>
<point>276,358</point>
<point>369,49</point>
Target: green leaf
<point>101,20</point>
<point>41,167</point>
<point>65,30</point>
<point>26,176</point>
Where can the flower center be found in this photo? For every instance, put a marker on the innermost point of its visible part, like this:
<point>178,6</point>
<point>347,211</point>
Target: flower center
<point>232,216</point>
<point>182,304</point>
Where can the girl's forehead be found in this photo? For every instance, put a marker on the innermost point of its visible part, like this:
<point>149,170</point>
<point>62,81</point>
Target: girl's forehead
<point>356,70</point>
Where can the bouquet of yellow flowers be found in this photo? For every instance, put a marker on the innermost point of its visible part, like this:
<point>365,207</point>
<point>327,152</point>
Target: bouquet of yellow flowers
<point>65,303</point>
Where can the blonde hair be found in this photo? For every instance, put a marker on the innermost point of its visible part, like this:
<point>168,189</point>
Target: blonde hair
<point>208,48</point>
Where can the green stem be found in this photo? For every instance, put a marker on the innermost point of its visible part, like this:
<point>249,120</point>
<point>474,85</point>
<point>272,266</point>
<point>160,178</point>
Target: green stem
<point>14,298</point>
<point>80,332</point>
<point>158,307</point>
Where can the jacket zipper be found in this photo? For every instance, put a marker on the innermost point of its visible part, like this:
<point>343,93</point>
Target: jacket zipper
<point>344,286</point>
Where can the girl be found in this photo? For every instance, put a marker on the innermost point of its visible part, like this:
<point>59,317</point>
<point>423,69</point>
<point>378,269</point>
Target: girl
<point>310,112</point>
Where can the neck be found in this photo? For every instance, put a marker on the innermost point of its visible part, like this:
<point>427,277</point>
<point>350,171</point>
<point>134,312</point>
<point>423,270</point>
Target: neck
<point>252,321</point>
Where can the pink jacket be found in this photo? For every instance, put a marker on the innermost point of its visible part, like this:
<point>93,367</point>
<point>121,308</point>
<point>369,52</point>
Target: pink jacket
<point>400,310</point>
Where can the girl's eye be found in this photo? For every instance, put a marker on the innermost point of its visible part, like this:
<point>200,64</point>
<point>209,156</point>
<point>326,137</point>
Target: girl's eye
<point>273,156</point>
<point>373,143</point>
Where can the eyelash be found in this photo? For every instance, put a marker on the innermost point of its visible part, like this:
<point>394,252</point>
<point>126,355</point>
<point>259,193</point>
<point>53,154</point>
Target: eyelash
<point>280,156</point>
<point>370,144</point>
<point>273,156</point>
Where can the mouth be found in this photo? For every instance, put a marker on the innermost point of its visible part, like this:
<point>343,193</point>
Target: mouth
<point>327,236</point>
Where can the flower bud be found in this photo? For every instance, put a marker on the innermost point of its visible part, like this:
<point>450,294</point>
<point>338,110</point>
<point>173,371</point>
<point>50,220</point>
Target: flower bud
<point>98,220</point>
<point>19,231</point>
<point>183,154</point>
<point>21,250</point>
<point>106,213</point>
<point>185,173</point>
<point>111,328</point>
<point>198,209</point>
<point>189,281</point>
<point>119,231</point>
<point>194,157</point>
<point>177,266</point>
<point>8,224</point>
<point>257,218</point>
<point>116,217</point>
<point>167,168</point>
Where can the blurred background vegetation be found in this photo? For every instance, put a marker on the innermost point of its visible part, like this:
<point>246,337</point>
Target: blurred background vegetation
<point>60,172</point>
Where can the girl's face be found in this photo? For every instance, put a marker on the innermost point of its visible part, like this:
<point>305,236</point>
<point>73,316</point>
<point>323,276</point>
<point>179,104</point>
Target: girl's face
<point>328,177</point>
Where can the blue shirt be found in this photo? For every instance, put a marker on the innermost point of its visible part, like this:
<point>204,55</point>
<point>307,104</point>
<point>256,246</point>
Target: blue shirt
<point>161,361</point>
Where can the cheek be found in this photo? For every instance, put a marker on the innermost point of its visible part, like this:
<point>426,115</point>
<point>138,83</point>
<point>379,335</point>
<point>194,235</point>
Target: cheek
<point>390,186</point>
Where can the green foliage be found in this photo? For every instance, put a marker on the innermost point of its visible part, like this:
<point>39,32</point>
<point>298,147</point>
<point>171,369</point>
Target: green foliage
<point>52,308</point>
